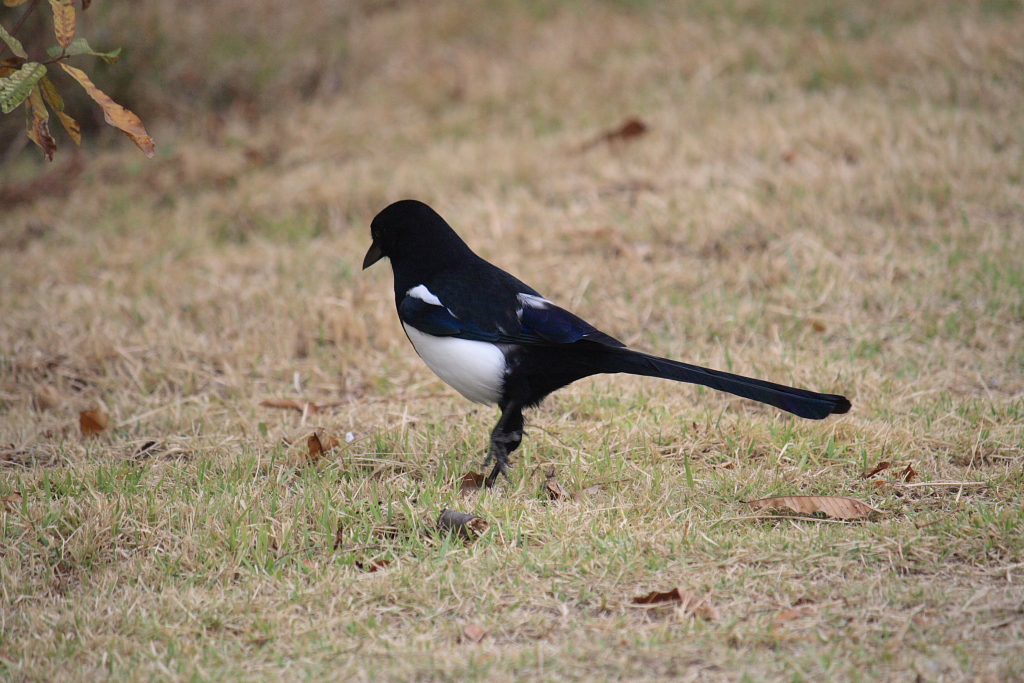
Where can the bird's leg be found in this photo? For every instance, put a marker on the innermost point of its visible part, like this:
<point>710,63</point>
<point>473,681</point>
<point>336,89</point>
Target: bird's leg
<point>505,438</point>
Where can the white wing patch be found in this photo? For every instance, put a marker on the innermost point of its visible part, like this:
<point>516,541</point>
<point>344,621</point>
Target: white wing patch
<point>425,295</point>
<point>531,301</point>
<point>474,369</point>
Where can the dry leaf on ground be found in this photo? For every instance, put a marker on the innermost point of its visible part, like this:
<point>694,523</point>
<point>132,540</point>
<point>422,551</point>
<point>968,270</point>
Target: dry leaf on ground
<point>474,633</point>
<point>373,565</point>
<point>339,536</point>
<point>11,499</point>
<point>908,474</point>
<point>93,422</point>
<point>319,447</point>
<point>291,404</point>
<point>629,129</point>
<point>463,524</point>
<point>688,602</point>
<point>839,507</point>
<point>471,483</point>
<point>554,490</point>
<point>867,474</point>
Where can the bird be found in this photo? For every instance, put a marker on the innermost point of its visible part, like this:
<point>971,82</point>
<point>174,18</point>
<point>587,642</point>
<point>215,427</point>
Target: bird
<point>496,340</point>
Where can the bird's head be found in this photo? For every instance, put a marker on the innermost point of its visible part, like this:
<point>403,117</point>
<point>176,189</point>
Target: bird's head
<point>409,229</point>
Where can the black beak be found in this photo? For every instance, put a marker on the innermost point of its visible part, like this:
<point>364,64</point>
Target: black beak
<point>372,256</point>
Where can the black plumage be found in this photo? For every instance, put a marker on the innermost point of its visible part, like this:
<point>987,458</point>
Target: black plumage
<point>444,291</point>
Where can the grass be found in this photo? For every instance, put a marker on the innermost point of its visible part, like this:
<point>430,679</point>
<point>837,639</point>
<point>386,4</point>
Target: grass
<point>829,196</point>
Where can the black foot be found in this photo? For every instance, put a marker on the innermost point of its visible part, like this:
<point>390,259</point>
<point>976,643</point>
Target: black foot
<point>501,446</point>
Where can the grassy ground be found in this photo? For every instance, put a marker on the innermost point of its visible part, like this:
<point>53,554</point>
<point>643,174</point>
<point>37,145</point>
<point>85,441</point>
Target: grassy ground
<point>830,195</point>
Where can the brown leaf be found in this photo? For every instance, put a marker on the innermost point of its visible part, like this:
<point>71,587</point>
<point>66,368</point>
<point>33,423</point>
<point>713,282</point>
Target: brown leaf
<point>319,447</point>
<point>38,124</point>
<point>11,499</point>
<point>867,474</point>
<point>839,507</point>
<point>463,524</point>
<point>689,602</point>
<point>310,564</point>
<point>114,113</point>
<point>554,489</point>
<point>93,422</point>
<point>471,483</point>
<point>47,397</point>
<point>63,21</point>
<point>658,597</point>
<point>908,474</point>
<point>630,128</point>
<point>474,633</point>
<point>818,326</point>
<point>373,565</point>
<point>339,536</point>
<point>290,404</point>
<point>316,449</point>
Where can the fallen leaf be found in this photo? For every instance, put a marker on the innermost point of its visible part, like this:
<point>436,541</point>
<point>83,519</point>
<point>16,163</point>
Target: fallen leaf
<point>290,404</point>
<point>310,564</point>
<point>818,326</point>
<point>373,565</point>
<point>463,524</point>
<point>11,499</point>
<point>93,422</point>
<point>578,496</point>
<point>315,449</point>
<point>629,129</point>
<point>839,507</point>
<point>908,474</point>
<point>867,474</point>
<point>554,489</point>
<point>114,114</point>
<point>474,633</point>
<point>471,483</point>
<point>47,397</point>
<point>688,603</point>
<point>339,536</point>
<point>319,447</point>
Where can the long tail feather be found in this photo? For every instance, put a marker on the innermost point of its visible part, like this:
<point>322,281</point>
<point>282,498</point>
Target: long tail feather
<point>801,402</point>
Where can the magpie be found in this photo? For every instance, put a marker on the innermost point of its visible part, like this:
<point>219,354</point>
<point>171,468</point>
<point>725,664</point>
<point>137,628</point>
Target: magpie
<point>496,340</point>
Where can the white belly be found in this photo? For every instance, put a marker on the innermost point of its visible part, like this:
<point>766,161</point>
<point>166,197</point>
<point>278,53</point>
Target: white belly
<point>474,369</point>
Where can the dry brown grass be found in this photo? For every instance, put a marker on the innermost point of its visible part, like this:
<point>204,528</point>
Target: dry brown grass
<point>830,195</point>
